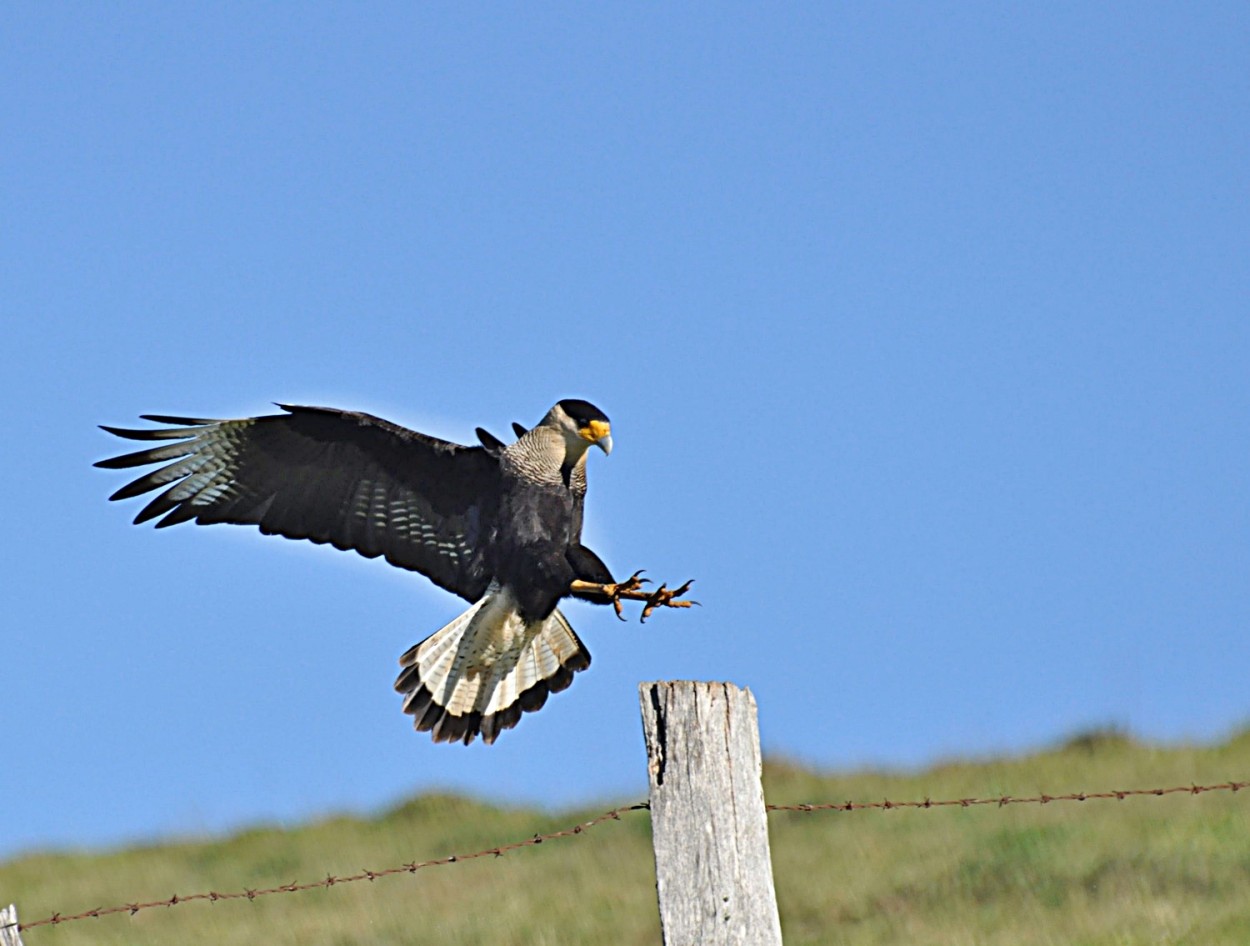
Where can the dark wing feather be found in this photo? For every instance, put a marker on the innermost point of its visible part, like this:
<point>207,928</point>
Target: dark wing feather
<point>351,480</point>
<point>488,440</point>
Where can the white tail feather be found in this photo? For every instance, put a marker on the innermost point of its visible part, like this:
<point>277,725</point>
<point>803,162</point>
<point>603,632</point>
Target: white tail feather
<point>479,672</point>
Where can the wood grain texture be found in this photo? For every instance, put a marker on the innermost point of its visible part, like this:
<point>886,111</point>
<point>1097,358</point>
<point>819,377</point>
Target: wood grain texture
<point>714,875</point>
<point>9,935</point>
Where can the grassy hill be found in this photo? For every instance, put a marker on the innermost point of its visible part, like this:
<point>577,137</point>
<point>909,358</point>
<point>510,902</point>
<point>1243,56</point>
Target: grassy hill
<point>1174,869</point>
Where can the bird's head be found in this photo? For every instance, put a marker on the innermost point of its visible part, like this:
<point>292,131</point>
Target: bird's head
<point>582,424</point>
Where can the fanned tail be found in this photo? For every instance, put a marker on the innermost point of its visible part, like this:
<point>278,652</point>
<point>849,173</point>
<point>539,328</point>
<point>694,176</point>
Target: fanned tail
<point>480,672</point>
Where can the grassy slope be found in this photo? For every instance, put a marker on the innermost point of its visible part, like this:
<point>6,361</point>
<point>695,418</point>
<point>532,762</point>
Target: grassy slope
<point>1144,870</point>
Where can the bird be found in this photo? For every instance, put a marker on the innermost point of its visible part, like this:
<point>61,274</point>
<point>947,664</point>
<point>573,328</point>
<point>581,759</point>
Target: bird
<point>499,524</point>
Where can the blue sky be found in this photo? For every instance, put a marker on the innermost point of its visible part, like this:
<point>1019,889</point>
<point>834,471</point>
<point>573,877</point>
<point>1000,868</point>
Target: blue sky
<point>924,334</point>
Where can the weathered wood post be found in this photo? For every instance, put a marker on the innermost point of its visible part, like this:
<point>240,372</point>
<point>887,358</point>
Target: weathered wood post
<point>9,935</point>
<point>709,830</point>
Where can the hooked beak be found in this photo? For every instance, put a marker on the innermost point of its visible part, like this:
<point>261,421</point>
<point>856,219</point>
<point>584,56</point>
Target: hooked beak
<point>599,433</point>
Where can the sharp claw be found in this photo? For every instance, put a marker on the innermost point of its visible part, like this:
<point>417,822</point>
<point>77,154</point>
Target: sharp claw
<point>632,583</point>
<point>616,589</point>
<point>658,597</point>
<point>667,597</point>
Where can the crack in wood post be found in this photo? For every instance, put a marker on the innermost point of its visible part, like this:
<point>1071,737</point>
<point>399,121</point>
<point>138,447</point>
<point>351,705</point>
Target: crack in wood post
<point>709,830</point>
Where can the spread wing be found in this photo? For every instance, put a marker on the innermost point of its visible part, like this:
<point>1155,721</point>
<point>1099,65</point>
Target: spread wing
<point>348,479</point>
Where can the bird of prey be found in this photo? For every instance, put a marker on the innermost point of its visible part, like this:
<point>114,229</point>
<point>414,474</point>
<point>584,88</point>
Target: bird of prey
<point>498,524</point>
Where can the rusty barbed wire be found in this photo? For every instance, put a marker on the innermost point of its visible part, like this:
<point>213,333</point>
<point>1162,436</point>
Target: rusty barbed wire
<point>330,881</point>
<point>1000,801</point>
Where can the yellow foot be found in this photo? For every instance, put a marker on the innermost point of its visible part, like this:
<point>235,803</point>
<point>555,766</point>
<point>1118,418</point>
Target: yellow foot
<point>631,590</point>
<point>627,587</point>
<point>662,597</point>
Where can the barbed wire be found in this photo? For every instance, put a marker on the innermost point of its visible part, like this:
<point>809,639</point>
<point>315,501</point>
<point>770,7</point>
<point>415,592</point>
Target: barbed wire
<point>412,867</point>
<point>1004,800</point>
<point>330,881</point>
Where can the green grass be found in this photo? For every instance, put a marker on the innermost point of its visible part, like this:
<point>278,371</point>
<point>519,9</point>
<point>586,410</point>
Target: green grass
<point>1174,869</point>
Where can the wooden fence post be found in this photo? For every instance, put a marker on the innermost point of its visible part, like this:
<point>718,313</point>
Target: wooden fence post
<point>713,873</point>
<point>9,935</point>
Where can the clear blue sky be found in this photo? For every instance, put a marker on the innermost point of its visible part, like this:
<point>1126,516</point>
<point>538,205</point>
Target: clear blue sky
<point>925,333</point>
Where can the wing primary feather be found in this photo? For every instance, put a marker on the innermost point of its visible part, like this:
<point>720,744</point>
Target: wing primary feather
<point>160,505</point>
<point>183,421</point>
<point>173,451</point>
<point>166,474</point>
<point>183,513</point>
<point>156,433</point>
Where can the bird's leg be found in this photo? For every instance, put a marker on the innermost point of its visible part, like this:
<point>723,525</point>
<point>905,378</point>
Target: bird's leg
<point>631,590</point>
<point>613,591</point>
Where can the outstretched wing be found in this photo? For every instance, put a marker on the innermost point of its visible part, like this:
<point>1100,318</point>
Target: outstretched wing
<point>348,479</point>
